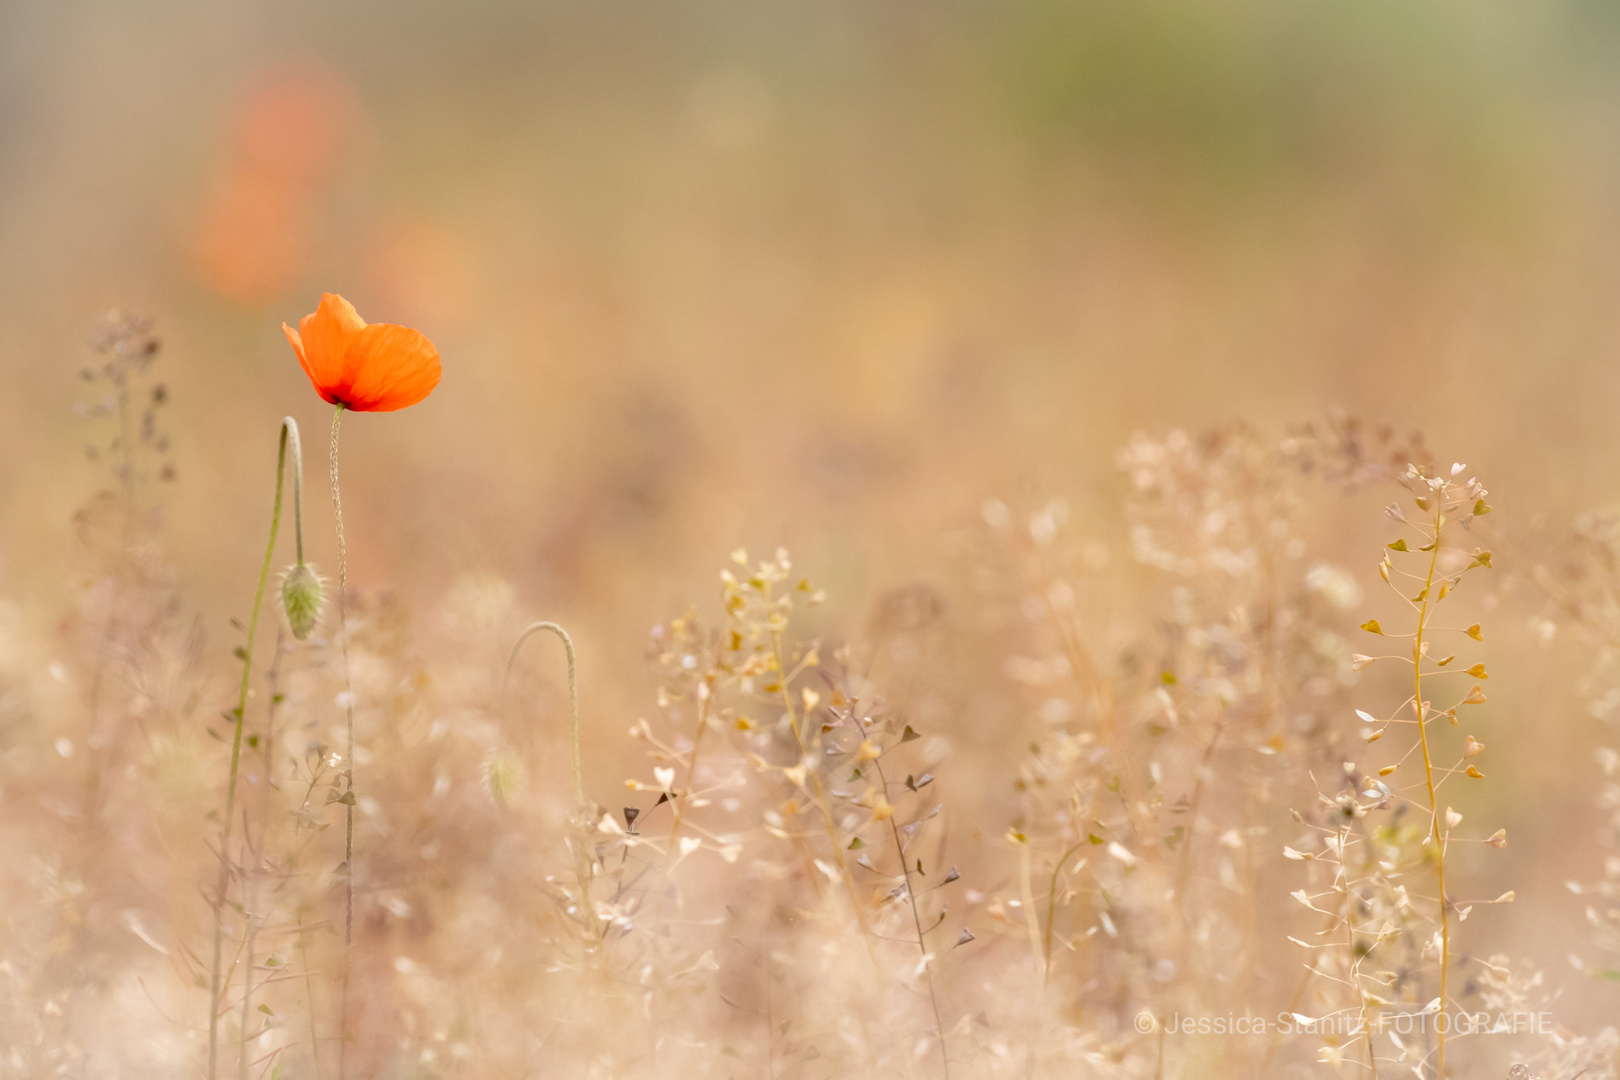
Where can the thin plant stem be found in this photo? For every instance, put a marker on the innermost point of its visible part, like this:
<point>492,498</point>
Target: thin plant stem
<point>1026,889</point>
<point>691,766</point>
<point>126,477</point>
<point>309,993</point>
<point>582,866</point>
<point>289,436</point>
<point>272,681</point>
<point>1051,912</point>
<point>916,921</point>
<point>1355,968</point>
<point>818,791</point>
<point>250,896</point>
<point>573,693</point>
<point>1428,776</point>
<point>1184,863</point>
<point>348,744</point>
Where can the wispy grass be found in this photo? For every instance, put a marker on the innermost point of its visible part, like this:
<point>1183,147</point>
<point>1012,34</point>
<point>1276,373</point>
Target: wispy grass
<point>1010,823</point>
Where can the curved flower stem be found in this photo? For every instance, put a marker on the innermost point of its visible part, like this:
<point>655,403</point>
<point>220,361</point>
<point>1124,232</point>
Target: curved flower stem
<point>573,693</point>
<point>582,864</point>
<point>348,744</point>
<point>289,436</point>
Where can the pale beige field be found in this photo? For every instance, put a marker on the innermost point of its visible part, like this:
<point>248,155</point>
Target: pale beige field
<point>957,440</point>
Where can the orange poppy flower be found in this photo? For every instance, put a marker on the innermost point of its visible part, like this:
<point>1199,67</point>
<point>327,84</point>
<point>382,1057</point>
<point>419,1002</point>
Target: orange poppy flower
<point>375,367</point>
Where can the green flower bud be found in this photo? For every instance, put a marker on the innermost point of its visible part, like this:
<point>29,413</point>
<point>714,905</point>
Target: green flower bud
<point>301,592</point>
<point>503,776</point>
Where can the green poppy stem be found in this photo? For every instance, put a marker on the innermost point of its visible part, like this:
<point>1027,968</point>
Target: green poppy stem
<point>573,694</point>
<point>289,437</point>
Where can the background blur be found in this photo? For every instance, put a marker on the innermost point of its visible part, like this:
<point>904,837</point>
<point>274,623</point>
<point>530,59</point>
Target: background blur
<point>927,248</point>
<point>821,274</point>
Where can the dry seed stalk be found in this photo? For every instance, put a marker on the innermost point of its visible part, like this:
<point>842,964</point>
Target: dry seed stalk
<point>1444,501</point>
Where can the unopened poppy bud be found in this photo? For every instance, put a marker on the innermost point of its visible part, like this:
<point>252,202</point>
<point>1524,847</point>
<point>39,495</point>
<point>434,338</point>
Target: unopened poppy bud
<point>503,776</point>
<point>301,591</point>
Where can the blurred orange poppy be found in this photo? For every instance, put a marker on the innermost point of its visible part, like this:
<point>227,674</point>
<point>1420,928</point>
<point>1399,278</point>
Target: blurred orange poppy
<point>375,367</point>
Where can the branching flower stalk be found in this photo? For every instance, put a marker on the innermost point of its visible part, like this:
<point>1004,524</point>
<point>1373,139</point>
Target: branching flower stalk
<point>928,960</point>
<point>1443,501</point>
<point>705,694</point>
<point>808,749</point>
<point>127,341</point>
<point>289,440</point>
<point>1428,778</point>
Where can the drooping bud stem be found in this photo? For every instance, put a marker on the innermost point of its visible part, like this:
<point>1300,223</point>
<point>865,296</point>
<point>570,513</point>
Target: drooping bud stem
<point>301,587</point>
<point>573,693</point>
<point>289,436</point>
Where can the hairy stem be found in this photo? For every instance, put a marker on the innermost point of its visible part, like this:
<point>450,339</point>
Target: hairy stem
<point>348,747</point>
<point>289,435</point>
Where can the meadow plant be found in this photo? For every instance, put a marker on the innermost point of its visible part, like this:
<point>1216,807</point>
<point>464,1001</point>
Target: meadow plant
<point>303,600</point>
<point>358,367</point>
<point>1395,937</point>
<point>1155,780</point>
<point>127,587</point>
<point>1011,826</point>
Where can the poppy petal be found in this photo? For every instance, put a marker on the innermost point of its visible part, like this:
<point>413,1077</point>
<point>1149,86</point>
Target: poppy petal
<point>327,336</point>
<point>389,367</point>
<point>297,343</point>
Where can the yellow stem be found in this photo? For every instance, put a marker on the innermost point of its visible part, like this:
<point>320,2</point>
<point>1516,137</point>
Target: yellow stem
<point>1428,776</point>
